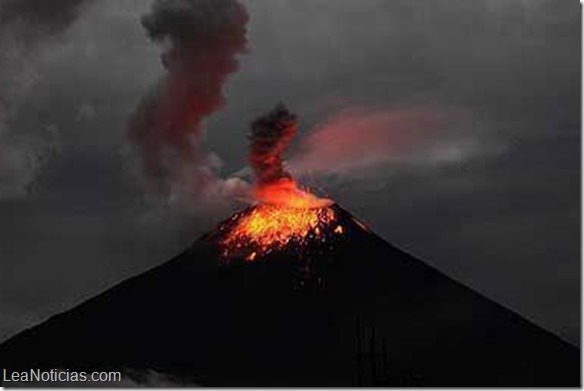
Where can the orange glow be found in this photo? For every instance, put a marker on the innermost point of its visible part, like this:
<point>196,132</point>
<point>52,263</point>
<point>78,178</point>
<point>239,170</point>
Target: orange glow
<point>286,193</point>
<point>288,215</point>
<point>270,227</point>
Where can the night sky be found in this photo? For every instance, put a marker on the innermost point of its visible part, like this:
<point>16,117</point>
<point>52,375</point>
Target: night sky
<point>491,198</point>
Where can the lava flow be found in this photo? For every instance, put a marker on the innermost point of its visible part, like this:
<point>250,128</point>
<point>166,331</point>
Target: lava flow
<point>287,215</point>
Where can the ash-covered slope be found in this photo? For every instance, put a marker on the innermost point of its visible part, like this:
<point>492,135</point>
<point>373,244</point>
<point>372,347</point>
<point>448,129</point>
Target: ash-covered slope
<point>344,308</point>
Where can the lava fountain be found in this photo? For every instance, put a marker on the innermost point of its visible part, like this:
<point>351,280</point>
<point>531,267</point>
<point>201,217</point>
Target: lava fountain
<point>286,216</point>
<point>285,213</point>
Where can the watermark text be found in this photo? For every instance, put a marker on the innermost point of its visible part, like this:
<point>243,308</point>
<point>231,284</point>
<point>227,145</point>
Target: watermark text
<point>59,375</point>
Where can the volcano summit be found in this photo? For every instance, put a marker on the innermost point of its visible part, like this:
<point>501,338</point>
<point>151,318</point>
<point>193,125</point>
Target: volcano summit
<point>295,291</point>
<point>337,306</point>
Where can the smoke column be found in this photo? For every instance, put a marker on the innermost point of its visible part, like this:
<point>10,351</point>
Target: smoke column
<point>270,136</point>
<point>202,39</point>
<point>27,28</point>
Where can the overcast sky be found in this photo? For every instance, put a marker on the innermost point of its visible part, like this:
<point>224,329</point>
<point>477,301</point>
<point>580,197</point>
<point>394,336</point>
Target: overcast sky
<point>492,199</point>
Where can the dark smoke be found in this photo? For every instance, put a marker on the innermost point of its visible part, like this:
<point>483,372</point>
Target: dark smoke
<point>203,38</point>
<point>270,136</point>
<point>28,28</point>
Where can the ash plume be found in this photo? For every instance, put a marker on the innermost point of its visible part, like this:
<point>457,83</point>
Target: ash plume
<point>202,39</point>
<point>28,28</point>
<point>270,136</point>
<point>364,138</point>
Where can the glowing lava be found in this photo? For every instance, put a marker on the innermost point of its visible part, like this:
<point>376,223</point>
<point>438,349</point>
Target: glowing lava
<point>286,193</point>
<point>287,215</point>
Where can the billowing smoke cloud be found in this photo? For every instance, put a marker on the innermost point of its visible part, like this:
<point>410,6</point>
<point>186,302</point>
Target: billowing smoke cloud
<point>361,138</point>
<point>203,38</point>
<point>270,136</point>
<point>27,29</point>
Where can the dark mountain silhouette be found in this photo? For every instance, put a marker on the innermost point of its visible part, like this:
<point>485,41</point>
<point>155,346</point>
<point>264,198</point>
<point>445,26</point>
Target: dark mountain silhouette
<point>346,309</point>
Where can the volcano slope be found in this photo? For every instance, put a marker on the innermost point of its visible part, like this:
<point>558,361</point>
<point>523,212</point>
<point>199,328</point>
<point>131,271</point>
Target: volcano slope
<point>341,308</point>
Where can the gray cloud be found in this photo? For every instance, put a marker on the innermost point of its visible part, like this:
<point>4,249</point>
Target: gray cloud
<point>27,28</point>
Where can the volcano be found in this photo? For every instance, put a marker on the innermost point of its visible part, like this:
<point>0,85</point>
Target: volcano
<point>334,305</point>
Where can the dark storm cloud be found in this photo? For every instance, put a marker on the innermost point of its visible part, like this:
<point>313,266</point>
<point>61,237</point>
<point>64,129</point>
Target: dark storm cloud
<point>26,28</point>
<point>502,218</point>
<point>37,20</point>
